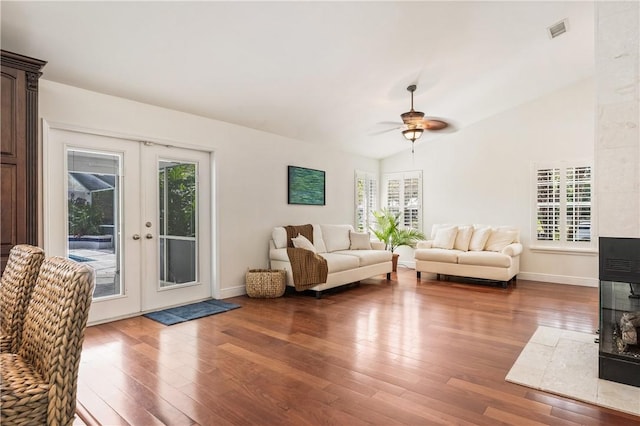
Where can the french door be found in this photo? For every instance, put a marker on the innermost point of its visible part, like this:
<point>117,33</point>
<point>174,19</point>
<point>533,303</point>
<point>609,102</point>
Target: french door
<point>137,212</point>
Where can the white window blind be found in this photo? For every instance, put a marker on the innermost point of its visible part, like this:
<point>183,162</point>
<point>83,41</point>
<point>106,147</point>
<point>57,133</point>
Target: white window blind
<point>578,203</point>
<point>548,205</point>
<point>366,195</point>
<point>403,194</point>
<point>563,205</point>
<point>412,203</point>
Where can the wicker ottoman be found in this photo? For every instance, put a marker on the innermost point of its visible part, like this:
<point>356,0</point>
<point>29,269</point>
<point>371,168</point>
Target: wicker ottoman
<point>266,283</point>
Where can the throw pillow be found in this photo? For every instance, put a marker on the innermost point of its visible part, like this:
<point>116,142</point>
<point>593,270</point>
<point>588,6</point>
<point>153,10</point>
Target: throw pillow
<point>445,237</point>
<point>437,226</point>
<point>463,238</point>
<point>499,239</point>
<point>336,237</point>
<point>479,239</point>
<point>360,241</point>
<point>302,242</point>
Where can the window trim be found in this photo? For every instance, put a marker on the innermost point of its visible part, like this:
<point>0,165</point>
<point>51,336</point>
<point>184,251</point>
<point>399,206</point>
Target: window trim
<point>562,246</point>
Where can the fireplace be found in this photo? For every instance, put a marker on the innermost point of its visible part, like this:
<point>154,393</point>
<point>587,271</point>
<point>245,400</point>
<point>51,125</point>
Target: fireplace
<point>619,351</point>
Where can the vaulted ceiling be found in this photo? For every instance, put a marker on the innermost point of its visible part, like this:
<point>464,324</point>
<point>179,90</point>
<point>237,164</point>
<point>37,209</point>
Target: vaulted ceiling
<point>330,73</point>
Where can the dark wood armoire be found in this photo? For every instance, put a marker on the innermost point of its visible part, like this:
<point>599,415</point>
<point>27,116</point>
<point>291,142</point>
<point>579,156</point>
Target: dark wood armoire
<point>19,152</point>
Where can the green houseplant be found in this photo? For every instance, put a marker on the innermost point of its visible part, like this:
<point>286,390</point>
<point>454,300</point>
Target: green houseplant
<point>387,229</point>
<point>84,218</point>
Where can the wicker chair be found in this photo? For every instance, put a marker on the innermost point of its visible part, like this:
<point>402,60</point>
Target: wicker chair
<point>16,286</point>
<point>39,382</point>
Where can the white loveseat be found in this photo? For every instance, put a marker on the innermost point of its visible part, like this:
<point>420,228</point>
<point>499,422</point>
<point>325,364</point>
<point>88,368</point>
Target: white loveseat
<point>474,251</point>
<point>350,256</point>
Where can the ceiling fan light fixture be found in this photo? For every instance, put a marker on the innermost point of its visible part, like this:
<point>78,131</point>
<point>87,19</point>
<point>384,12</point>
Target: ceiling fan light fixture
<point>412,117</point>
<point>412,134</point>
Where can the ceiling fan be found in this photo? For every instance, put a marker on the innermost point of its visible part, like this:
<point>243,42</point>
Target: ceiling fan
<point>415,123</point>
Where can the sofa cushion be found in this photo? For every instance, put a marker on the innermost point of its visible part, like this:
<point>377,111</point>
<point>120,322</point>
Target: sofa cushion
<point>340,262</point>
<point>445,237</point>
<point>511,228</point>
<point>484,258</point>
<point>302,242</point>
<point>437,255</point>
<point>368,257</point>
<point>377,245</point>
<point>279,237</point>
<point>424,244</point>
<point>336,237</point>
<point>359,241</point>
<point>318,241</point>
<point>500,238</point>
<point>479,238</point>
<point>463,237</point>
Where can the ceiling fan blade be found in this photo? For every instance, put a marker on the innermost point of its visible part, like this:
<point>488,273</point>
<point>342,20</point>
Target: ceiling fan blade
<point>432,124</point>
<point>385,131</point>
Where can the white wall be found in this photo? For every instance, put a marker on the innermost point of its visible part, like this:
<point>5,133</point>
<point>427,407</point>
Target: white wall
<point>482,173</point>
<point>250,172</point>
<point>618,118</point>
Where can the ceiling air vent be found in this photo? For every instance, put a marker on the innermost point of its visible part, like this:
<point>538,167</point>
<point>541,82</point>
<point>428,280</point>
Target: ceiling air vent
<point>558,29</point>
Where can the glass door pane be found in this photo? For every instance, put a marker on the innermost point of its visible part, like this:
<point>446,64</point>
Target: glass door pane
<point>93,216</point>
<point>178,211</point>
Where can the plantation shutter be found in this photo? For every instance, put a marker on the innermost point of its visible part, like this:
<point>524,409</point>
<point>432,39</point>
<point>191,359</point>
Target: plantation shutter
<point>372,200</point>
<point>393,195</point>
<point>578,203</point>
<point>403,194</point>
<point>548,205</point>
<point>366,196</point>
<point>411,203</point>
<point>563,205</point>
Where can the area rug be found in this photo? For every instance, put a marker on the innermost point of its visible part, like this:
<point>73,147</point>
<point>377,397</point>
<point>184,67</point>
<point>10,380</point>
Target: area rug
<point>566,363</point>
<point>190,312</point>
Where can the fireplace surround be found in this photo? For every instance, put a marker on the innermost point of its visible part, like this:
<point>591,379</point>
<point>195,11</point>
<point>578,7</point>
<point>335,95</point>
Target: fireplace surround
<point>619,351</point>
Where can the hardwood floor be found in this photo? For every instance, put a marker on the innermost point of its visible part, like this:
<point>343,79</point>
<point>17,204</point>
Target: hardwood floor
<point>384,353</point>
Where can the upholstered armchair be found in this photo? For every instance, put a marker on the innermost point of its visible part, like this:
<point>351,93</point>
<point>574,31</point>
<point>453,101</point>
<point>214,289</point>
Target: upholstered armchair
<point>39,382</point>
<point>16,285</point>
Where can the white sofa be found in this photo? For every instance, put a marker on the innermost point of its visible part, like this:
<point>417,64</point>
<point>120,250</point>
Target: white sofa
<point>350,256</point>
<point>474,251</point>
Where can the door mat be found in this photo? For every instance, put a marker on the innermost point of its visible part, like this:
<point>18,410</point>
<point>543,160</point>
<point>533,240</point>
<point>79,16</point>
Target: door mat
<point>190,312</point>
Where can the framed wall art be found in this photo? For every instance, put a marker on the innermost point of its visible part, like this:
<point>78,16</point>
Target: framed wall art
<point>306,186</point>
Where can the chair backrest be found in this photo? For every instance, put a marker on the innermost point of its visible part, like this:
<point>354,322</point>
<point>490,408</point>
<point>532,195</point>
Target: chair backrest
<point>16,286</point>
<point>54,330</point>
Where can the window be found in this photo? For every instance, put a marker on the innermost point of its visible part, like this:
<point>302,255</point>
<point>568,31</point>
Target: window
<point>366,200</point>
<point>563,205</point>
<point>403,194</point>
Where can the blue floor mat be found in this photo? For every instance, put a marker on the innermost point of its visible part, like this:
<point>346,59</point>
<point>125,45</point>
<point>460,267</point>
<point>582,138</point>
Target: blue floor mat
<point>190,312</point>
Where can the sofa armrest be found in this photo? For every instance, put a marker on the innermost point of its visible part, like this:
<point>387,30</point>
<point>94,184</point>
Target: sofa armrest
<point>424,244</point>
<point>279,254</point>
<point>513,249</point>
<point>377,245</point>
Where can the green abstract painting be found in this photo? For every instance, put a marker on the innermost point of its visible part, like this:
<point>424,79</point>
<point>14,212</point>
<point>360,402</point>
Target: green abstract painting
<point>306,186</point>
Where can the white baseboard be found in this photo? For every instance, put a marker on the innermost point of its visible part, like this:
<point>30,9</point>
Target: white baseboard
<point>531,276</point>
<point>240,290</point>
<point>559,279</point>
<point>411,264</point>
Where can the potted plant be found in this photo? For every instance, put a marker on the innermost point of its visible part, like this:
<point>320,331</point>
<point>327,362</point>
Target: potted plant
<point>387,229</point>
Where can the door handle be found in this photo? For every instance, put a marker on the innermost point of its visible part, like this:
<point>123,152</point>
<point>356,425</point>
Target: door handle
<point>148,236</point>
<point>136,236</point>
